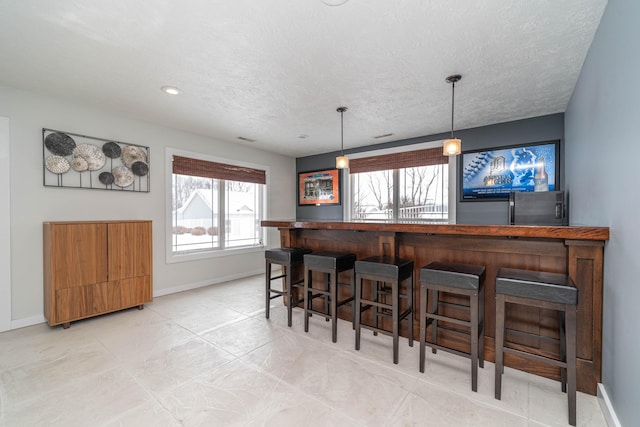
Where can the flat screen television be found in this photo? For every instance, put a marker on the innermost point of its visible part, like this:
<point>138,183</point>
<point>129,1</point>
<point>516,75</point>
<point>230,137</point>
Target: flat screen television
<point>491,174</point>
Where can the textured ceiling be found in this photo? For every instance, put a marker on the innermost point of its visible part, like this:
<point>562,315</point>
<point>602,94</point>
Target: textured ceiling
<point>272,70</point>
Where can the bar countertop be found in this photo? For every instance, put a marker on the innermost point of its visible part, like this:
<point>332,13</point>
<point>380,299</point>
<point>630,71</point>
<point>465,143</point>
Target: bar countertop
<point>540,231</point>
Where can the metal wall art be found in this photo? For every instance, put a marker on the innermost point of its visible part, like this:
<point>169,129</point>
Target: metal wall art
<point>79,161</point>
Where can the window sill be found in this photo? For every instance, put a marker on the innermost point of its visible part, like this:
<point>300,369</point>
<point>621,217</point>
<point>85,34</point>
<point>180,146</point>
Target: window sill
<point>206,254</point>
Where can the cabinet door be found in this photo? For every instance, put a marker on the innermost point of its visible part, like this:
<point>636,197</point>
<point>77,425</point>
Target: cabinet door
<point>79,254</point>
<point>74,303</point>
<point>121,294</point>
<point>129,250</point>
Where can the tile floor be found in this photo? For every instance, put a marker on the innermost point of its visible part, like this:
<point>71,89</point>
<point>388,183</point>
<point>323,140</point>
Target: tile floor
<point>209,357</point>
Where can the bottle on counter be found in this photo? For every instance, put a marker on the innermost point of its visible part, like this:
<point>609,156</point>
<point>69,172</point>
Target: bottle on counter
<point>541,178</point>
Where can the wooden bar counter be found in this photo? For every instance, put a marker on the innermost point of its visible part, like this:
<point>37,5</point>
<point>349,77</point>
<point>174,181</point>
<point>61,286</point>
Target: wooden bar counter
<point>576,251</point>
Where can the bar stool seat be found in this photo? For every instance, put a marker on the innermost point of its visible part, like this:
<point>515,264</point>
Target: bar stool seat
<point>331,264</point>
<point>458,279</point>
<point>387,275</point>
<point>548,291</point>
<point>287,258</point>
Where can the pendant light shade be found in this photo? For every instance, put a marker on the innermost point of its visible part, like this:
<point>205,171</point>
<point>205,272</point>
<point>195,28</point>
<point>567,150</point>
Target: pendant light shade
<point>342,161</point>
<point>452,146</point>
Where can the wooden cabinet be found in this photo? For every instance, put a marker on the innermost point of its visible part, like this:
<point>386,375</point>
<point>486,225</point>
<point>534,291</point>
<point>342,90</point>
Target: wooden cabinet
<point>92,268</point>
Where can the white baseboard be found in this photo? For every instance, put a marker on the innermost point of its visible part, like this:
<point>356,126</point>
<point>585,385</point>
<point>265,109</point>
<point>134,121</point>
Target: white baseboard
<point>28,321</point>
<point>607,409</point>
<point>196,285</point>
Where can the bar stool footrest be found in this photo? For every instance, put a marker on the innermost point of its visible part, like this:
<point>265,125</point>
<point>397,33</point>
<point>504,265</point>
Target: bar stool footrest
<point>531,335</point>
<point>548,360</point>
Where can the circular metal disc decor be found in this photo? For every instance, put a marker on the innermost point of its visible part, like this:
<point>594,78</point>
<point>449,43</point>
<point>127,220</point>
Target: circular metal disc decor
<point>79,164</point>
<point>59,144</point>
<point>106,178</point>
<point>57,164</point>
<point>132,154</point>
<point>111,150</point>
<point>92,154</point>
<point>140,168</point>
<point>123,176</point>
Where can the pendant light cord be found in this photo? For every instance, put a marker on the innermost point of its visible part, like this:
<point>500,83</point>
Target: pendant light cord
<point>342,133</point>
<point>453,91</point>
<point>341,110</point>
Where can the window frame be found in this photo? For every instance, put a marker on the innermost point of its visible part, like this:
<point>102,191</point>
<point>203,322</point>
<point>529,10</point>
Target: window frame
<point>174,257</point>
<point>453,177</point>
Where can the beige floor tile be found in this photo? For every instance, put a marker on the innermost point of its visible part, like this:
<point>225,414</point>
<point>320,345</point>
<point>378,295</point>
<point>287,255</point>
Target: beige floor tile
<point>209,357</point>
<point>90,401</point>
<point>239,394</point>
<point>244,336</point>
<point>164,371</point>
<point>433,405</point>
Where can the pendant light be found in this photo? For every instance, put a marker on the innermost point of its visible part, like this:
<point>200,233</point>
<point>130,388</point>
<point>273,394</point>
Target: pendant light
<point>342,161</point>
<point>452,146</point>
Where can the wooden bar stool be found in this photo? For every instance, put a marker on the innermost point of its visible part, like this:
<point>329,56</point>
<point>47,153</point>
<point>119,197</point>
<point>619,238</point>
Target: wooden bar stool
<point>331,264</point>
<point>387,275</point>
<point>458,279</point>
<point>548,291</point>
<point>287,258</point>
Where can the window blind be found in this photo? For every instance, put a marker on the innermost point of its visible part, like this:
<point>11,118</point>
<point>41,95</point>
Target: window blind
<point>208,169</point>
<point>405,159</point>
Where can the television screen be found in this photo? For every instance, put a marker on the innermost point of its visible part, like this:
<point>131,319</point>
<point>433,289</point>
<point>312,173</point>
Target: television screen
<point>492,174</point>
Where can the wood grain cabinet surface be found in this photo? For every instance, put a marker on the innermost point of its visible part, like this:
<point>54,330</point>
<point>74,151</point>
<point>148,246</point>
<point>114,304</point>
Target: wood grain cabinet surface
<point>95,267</point>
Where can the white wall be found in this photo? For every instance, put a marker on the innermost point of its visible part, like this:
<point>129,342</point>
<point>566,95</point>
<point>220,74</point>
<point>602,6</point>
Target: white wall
<point>32,203</point>
<point>5,228</point>
<point>602,152</point>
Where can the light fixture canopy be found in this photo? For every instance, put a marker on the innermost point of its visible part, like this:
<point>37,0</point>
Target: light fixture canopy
<point>342,161</point>
<point>334,2</point>
<point>452,146</point>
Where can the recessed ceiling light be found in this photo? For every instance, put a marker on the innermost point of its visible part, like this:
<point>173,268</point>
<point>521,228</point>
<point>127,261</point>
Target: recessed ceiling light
<point>171,90</point>
<point>334,2</point>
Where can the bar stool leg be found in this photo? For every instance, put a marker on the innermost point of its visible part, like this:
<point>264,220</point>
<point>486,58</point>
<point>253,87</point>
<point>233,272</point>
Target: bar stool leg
<point>423,324</point>
<point>333,291</point>
<point>563,349</point>
<point>353,302</point>
<point>570,321</point>
<point>268,288</point>
<point>307,297</point>
<point>434,322</point>
<point>358,310</point>
<point>481,325</point>
<point>410,303</point>
<point>375,285</point>
<point>499,344</point>
<point>287,281</point>
<point>327,299</point>
<point>473,302</point>
<point>395,316</point>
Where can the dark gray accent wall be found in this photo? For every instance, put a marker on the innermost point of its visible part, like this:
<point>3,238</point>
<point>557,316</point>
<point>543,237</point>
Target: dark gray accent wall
<point>602,130</point>
<point>525,131</point>
<point>537,129</point>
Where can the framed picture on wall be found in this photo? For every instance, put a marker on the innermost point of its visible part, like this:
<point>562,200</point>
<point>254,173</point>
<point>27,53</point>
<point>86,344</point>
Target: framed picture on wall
<point>319,187</point>
<point>492,174</point>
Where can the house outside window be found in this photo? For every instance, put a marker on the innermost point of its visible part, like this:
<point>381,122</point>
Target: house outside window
<point>403,186</point>
<point>216,206</point>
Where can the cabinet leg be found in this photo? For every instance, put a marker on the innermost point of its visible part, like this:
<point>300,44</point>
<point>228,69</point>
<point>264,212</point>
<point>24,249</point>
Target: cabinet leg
<point>141,307</point>
<point>66,325</point>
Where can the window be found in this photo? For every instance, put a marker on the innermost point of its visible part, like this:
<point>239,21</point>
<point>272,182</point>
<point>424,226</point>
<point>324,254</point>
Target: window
<point>403,186</point>
<point>215,206</point>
